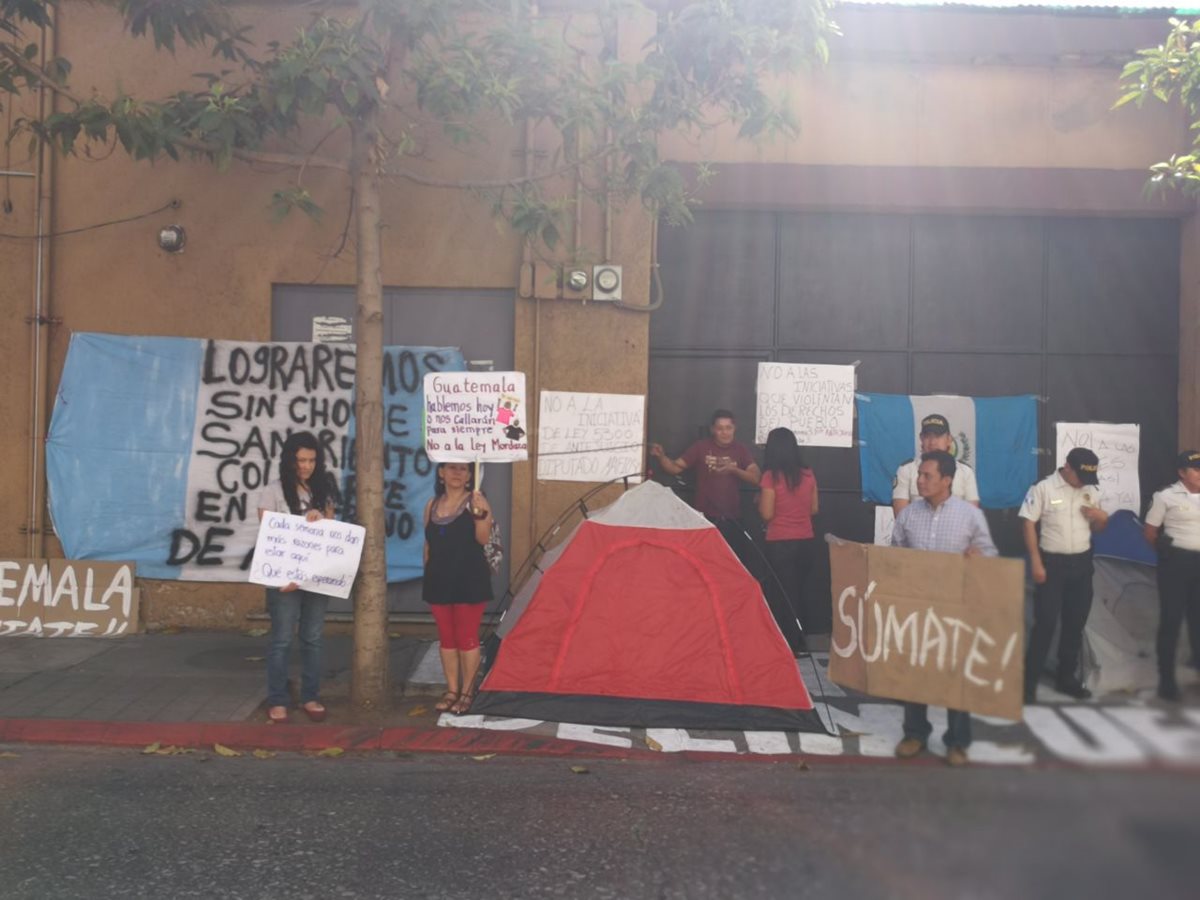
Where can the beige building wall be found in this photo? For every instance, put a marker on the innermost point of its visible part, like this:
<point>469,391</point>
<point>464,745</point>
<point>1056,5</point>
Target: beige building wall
<point>867,110</point>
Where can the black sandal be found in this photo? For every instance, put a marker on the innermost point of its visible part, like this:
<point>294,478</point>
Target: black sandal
<point>465,699</point>
<point>448,701</point>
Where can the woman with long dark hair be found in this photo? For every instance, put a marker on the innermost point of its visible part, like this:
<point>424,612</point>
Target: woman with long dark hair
<point>458,582</point>
<point>787,501</point>
<point>304,488</point>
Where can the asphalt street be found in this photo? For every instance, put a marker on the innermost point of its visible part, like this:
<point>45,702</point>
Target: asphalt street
<point>87,823</point>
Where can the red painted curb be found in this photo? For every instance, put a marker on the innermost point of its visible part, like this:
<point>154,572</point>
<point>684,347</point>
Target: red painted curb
<point>306,738</point>
<point>468,741</point>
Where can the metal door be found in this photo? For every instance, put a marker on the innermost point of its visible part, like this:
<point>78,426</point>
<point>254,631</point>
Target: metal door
<point>480,322</point>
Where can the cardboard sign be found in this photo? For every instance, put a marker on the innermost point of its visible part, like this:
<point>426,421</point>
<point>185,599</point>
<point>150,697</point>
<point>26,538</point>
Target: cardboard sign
<point>475,416</point>
<point>320,556</point>
<point>936,628</point>
<point>67,598</point>
<point>590,437</point>
<point>1117,447</point>
<point>816,402</point>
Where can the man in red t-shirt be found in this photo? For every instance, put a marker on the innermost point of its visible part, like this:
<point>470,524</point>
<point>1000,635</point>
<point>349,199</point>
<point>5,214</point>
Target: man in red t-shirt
<point>721,465</point>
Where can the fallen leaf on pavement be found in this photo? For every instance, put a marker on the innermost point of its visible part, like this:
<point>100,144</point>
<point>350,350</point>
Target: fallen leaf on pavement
<point>263,754</point>
<point>152,748</point>
<point>254,658</point>
<point>419,711</point>
<point>172,630</point>
<point>483,757</point>
<point>9,755</point>
<point>222,750</point>
<point>257,632</point>
<point>331,751</point>
<point>653,744</point>
<point>395,634</point>
<point>801,765</point>
<point>580,770</point>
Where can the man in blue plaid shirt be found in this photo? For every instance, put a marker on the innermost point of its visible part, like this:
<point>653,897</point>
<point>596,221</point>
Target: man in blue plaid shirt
<point>943,523</point>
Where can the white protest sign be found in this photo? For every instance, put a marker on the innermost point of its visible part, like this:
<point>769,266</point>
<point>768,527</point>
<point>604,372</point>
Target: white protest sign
<point>590,437</point>
<point>814,401</point>
<point>320,556</point>
<point>475,416</point>
<point>885,520</point>
<point>1117,448</point>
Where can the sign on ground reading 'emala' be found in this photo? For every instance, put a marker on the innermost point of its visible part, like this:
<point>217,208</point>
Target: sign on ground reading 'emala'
<point>475,416</point>
<point>320,556</point>
<point>67,598</point>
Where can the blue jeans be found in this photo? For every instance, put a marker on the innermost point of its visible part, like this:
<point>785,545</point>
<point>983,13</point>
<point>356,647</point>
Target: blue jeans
<point>307,609</point>
<point>958,725</point>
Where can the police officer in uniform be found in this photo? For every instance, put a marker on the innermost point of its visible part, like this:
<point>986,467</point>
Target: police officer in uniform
<point>1173,525</point>
<point>1066,505</point>
<point>935,436</point>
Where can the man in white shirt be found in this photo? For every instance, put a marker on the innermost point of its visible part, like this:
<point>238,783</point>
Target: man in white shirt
<point>1066,506</point>
<point>1173,526</point>
<point>935,436</point>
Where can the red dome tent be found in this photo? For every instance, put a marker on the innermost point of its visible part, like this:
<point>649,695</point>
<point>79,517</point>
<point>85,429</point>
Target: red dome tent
<point>644,616</point>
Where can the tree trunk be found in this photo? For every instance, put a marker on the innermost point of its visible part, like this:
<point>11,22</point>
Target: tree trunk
<point>370,683</point>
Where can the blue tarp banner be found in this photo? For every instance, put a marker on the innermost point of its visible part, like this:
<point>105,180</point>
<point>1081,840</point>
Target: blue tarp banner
<point>159,447</point>
<point>997,436</point>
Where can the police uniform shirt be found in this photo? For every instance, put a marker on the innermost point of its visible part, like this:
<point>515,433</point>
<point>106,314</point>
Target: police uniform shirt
<point>1058,507</point>
<point>904,485</point>
<point>1176,510</point>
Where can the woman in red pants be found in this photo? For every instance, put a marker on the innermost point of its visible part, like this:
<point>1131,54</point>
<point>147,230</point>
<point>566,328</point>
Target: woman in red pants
<point>458,582</point>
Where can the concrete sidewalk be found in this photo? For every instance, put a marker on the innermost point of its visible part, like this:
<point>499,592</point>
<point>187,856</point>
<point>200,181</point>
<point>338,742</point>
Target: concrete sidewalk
<point>183,677</point>
<point>195,689</point>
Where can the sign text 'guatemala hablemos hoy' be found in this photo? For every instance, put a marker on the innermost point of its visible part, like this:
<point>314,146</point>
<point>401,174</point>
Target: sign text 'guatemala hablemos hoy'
<point>67,598</point>
<point>936,628</point>
<point>476,417</point>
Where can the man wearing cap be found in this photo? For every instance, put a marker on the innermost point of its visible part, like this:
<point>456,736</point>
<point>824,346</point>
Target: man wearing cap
<point>1066,505</point>
<point>1173,525</point>
<point>935,436</point>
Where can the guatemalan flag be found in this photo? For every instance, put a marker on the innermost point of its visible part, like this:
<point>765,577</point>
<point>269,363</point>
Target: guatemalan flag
<point>996,436</point>
<point>159,447</point>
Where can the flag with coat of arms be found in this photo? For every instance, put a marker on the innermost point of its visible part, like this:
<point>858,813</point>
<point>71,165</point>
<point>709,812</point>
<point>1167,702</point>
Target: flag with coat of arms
<point>996,436</point>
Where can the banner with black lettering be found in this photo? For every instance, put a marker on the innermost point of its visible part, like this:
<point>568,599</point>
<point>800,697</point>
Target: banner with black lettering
<point>159,447</point>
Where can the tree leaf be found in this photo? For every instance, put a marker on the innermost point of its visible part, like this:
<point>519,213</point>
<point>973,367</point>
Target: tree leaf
<point>419,711</point>
<point>653,744</point>
<point>263,754</point>
<point>152,748</point>
<point>483,757</point>
<point>581,770</point>
<point>222,750</point>
<point>332,751</point>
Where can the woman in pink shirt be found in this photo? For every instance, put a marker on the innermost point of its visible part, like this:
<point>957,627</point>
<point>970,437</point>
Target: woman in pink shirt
<point>787,502</point>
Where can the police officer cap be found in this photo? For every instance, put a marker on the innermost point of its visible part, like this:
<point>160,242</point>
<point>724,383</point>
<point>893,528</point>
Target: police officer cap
<point>1086,465</point>
<point>935,424</point>
<point>1189,459</point>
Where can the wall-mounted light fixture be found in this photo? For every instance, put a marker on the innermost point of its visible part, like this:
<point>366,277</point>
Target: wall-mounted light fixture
<point>171,238</point>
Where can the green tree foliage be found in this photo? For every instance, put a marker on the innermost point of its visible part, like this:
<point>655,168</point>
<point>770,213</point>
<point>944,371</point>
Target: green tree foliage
<point>1170,73</point>
<point>458,63</point>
